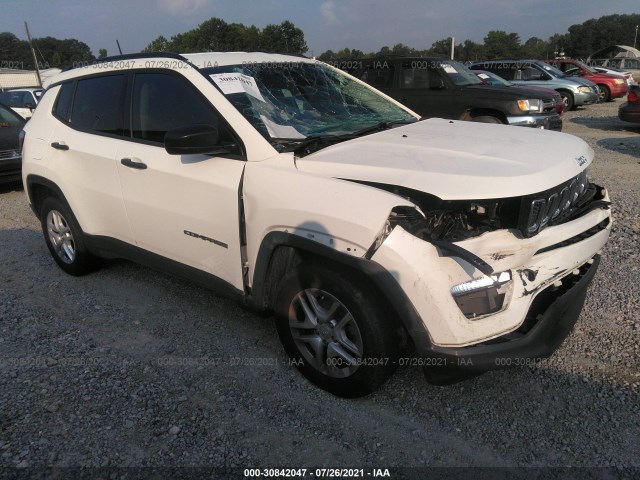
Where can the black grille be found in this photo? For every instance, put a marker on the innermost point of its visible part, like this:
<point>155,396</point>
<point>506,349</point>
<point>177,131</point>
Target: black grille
<point>556,205</point>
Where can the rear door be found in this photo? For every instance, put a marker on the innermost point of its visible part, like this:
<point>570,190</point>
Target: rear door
<point>182,207</point>
<point>82,151</point>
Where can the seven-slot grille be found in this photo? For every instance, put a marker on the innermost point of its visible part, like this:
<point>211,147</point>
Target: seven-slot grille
<point>553,205</point>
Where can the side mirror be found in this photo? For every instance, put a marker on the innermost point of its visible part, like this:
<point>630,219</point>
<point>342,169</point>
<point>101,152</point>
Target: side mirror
<point>30,106</point>
<point>195,139</point>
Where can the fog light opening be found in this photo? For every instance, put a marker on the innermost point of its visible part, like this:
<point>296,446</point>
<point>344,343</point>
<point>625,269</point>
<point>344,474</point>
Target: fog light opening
<point>482,296</point>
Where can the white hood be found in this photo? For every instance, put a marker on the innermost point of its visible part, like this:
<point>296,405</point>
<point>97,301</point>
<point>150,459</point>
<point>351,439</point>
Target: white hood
<point>456,160</point>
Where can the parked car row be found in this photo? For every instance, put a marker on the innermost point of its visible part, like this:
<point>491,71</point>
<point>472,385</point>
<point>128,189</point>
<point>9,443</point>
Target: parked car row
<point>434,87</point>
<point>23,101</point>
<point>530,93</point>
<point>10,159</point>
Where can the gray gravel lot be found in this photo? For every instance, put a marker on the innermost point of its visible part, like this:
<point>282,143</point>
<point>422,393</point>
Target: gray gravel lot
<point>130,367</point>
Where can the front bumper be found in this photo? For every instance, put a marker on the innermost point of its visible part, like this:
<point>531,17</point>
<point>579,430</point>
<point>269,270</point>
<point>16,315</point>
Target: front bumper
<point>550,273</point>
<point>619,90</point>
<point>549,321</point>
<point>547,122</point>
<point>583,98</point>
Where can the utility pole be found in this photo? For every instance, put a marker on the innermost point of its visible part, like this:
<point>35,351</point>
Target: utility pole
<point>35,59</point>
<point>453,46</point>
<point>636,37</point>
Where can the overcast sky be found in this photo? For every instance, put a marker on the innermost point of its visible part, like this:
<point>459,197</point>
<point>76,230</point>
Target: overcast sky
<point>328,24</point>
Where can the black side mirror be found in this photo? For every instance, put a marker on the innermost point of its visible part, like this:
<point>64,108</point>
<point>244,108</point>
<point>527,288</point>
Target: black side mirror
<point>30,106</point>
<point>195,139</point>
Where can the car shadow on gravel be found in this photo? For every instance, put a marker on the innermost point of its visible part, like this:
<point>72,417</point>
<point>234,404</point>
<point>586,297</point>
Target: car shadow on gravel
<point>626,145</point>
<point>608,123</point>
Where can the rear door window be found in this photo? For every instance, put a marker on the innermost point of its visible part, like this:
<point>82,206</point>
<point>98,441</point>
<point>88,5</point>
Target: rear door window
<point>98,105</point>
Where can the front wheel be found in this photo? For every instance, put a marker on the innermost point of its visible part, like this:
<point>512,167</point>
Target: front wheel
<point>64,239</point>
<point>335,330</point>
<point>605,94</point>
<point>567,98</point>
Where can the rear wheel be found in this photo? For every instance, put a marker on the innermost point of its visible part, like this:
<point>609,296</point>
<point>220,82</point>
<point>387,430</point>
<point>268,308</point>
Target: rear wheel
<point>567,98</point>
<point>64,238</point>
<point>335,331</point>
<point>605,94</point>
<point>486,119</point>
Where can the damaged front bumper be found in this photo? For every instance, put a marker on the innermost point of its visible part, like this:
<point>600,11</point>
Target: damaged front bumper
<point>539,285</point>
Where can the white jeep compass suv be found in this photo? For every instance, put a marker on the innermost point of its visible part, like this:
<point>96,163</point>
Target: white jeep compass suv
<point>371,235</point>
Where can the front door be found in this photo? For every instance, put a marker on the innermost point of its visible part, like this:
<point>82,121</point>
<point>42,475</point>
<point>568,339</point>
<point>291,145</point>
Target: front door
<point>183,207</point>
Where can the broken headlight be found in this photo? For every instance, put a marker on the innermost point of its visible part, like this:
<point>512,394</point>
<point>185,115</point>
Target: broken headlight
<point>482,296</point>
<point>455,221</point>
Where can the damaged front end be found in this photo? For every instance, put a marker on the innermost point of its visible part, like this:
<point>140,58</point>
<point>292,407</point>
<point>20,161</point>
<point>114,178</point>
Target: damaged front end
<point>482,274</point>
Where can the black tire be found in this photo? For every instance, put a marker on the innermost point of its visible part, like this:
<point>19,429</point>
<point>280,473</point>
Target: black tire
<point>487,119</point>
<point>63,237</point>
<point>370,330</point>
<point>567,98</point>
<point>605,94</point>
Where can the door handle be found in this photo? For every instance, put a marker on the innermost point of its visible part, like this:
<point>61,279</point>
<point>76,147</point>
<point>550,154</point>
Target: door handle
<point>127,162</point>
<point>60,146</point>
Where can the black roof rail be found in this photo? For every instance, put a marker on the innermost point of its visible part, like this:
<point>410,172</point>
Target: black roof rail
<point>128,56</point>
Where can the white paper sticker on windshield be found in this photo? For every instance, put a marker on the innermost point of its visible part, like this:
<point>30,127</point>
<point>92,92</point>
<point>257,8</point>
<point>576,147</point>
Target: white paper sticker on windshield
<point>280,131</point>
<point>237,83</point>
<point>448,68</point>
<point>483,75</point>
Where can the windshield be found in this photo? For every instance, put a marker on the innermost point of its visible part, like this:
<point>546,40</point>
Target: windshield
<point>300,100</point>
<point>552,70</point>
<point>459,74</point>
<point>493,79</point>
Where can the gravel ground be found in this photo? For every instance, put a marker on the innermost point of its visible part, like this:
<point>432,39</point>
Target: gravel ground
<point>128,367</point>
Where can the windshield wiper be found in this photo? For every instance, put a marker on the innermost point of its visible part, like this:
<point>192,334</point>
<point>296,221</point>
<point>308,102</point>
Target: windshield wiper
<point>378,127</point>
<point>305,146</point>
<point>313,143</point>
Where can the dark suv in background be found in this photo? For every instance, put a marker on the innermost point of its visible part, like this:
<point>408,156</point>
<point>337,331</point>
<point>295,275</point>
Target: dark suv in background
<point>436,87</point>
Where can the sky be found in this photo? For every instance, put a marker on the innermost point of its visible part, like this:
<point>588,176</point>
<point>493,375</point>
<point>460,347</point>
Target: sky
<point>366,25</point>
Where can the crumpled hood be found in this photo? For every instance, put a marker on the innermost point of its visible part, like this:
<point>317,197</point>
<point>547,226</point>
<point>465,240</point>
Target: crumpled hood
<point>456,160</point>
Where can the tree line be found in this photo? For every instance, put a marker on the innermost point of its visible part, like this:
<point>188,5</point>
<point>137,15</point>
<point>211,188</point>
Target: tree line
<point>579,42</point>
<point>50,52</point>
<point>217,35</point>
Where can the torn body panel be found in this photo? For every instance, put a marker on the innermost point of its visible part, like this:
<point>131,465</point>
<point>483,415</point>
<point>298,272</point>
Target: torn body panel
<point>347,217</point>
<point>427,276</point>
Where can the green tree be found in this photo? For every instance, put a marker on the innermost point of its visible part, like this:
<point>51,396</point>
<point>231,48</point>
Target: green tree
<point>441,47</point>
<point>102,53</point>
<point>283,38</point>
<point>217,35</point>
<point>469,51</point>
<point>595,34</point>
<point>160,44</point>
<point>500,44</point>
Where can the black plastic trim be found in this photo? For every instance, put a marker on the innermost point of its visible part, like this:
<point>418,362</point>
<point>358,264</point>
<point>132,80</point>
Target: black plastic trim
<point>107,247</point>
<point>381,278</point>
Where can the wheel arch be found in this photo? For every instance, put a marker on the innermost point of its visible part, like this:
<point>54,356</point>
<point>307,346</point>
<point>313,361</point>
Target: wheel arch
<point>279,254</point>
<point>38,189</point>
<point>473,112</point>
